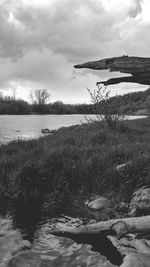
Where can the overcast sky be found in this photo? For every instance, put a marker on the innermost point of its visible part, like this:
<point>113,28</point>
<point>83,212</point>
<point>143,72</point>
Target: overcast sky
<point>41,40</point>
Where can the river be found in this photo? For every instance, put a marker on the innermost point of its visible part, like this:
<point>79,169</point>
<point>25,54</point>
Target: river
<point>30,126</point>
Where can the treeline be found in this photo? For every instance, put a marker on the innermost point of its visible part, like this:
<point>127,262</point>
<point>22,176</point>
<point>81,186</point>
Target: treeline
<point>61,108</point>
<point>9,105</point>
<point>130,103</point>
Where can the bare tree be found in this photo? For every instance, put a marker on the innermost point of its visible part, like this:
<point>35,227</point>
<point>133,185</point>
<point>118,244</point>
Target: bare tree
<point>31,97</point>
<point>14,93</point>
<point>108,114</point>
<point>39,96</point>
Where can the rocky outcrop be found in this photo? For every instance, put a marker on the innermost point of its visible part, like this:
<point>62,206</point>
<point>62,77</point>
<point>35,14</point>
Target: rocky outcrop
<point>47,250</point>
<point>138,67</point>
<point>136,251</point>
<point>129,250</point>
<point>134,248</point>
<point>11,244</point>
<point>140,202</point>
<point>24,259</point>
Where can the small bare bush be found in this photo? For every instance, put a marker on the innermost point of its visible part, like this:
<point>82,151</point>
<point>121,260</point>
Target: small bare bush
<point>107,113</point>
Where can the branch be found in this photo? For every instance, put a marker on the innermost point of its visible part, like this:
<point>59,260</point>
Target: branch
<point>138,67</point>
<point>130,79</point>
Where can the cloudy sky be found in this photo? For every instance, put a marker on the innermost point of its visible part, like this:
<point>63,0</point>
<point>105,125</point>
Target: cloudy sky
<point>41,40</point>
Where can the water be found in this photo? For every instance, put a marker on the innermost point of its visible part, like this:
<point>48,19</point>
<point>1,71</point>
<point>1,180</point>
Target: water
<point>30,126</point>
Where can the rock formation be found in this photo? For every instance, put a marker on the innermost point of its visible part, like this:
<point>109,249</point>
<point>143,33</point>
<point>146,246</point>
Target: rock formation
<point>138,67</point>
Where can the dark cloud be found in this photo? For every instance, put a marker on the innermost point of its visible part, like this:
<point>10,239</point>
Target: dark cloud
<point>136,8</point>
<point>76,29</point>
<point>39,44</point>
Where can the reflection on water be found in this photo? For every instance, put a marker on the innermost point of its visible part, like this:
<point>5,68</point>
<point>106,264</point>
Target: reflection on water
<point>30,126</point>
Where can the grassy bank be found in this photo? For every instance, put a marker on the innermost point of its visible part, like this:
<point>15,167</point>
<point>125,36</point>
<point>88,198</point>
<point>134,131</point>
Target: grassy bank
<point>52,172</point>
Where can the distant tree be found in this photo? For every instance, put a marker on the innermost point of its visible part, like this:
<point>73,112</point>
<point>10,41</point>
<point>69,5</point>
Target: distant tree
<point>14,93</point>
<point>1,96</point>
<point>31,97</point>
<point>39,96</point>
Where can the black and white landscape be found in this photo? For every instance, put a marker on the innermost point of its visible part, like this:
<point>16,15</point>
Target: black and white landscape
<point>74,133</point>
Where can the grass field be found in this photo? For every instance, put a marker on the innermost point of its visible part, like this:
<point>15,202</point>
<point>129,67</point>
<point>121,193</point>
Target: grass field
<point>79,161</point>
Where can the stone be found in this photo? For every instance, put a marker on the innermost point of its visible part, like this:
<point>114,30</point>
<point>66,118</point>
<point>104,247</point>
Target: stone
<point>140,202</point>
<point>121,167</point>
<point>136,251</point>
<point>99,203</point>
<point>5,226</point>
<point>10,244</point>
<point>119,228</point>
<point>136,260</point>
<point>25,259</point>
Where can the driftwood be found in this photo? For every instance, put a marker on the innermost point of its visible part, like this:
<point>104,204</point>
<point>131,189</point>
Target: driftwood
<point>138,67</point>
<point>116,226</point>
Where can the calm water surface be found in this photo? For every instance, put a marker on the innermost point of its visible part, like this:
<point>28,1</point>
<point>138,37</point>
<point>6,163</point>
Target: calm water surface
<point>30,126</point>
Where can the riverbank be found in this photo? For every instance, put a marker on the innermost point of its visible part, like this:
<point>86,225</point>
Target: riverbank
<point>56,174</point>
<point>15,127</point>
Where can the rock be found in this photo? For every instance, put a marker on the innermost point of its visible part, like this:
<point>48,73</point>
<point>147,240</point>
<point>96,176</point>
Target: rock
<point>121,167</point>
<point>119,228</point>
<point>136,260</point>
<point>48,251</point>
<point>25,259</point>
<point>136,251</point>
<point>11,244</point>
<point>140,202</point>
<point>5,226</point>
<point>99,203</point>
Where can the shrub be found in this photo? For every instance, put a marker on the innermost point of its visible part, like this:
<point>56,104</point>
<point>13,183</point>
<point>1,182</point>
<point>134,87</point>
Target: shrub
<point>107,114</point>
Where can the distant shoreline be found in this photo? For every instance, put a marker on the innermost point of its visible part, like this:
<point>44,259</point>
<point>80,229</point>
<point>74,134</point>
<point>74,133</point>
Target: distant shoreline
<point>70,114</point>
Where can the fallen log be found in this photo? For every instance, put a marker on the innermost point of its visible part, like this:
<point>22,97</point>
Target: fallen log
<point>118,227</point>
<point>138,67</point>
